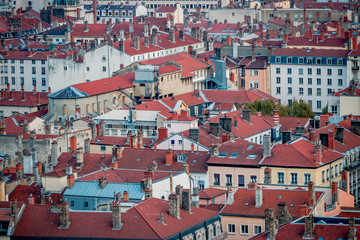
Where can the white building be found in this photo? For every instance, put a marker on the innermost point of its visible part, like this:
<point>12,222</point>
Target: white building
<point>175,12</point>
<point>307,74</point>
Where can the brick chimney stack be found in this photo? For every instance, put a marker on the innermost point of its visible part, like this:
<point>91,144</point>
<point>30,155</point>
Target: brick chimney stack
<point>309,227</point>
<point>351,234</point>
<point>311,194</point>
<point>174,205</point>
<point>334,193</point>
<point>116,215</point>
<point>186,200</point>
<point>64,215</point>
<point>267,146</point>
<point>258,197</point>
<point>283,213</point>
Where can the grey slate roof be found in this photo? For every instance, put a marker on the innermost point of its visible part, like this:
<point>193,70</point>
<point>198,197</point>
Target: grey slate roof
<point>68,92</point>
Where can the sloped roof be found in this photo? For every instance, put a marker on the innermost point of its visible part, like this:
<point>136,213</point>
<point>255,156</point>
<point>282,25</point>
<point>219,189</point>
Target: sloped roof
<point>210,193</point>
<point>68,92</point>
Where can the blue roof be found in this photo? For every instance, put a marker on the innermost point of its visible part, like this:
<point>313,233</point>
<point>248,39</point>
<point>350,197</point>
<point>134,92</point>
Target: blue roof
<point>68,92</point>
<point>92,189</point>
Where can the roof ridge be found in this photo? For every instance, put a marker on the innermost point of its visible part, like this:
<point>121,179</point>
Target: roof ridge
<point>303,154</point>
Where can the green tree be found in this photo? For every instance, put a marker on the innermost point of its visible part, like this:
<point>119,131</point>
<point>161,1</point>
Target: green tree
<point>325,110</point>
<point>296,109</point>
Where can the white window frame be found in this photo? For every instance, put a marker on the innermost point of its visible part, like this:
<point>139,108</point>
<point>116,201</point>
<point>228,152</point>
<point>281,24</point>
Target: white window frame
<point>232,233</point>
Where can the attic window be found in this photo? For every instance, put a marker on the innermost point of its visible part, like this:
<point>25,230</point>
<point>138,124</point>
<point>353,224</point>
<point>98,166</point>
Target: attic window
<point>251,156</point>
<point>234,155</point>
<point>99,140</point>
<point>180,158</point>
<point>222,154</point>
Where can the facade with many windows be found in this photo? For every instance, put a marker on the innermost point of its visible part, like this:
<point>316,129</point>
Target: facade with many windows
<point>302,74</point>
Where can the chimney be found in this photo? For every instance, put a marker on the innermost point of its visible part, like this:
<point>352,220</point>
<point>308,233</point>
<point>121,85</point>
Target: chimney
<point>73,144</point>
<point>79,157</point>
<point>70,180</point>
<point>339,134</point>
<point>186,200</point>
<point>276,116</point>
<point>226,123</point>
<point>162,134</point>
<point>174,116</point>
<point>194,134</point>
<point>253,52</point>
<point>102,182</point>
<point>214,128</point>
<point>116,215</point>
<point>267,146</point>
<point>136,43</point>
<point>86,26</point>
<point>154,39</point>
<point>39,165</point>
<point>19,171</point>
<point>174,205</point>
<point>126,196</point>
<point>169,157</point>
<point>334,193</point>
<point>258,197</point>
<point>286,136</point>
<point>355,127</point>
<point>322,36</point>
<point>283,213</point>
<point>87,145</point>
<point>102,129</point>
<point>64,215</point>
<point>146,41</point>
<point>311,194</point>
<point>214,149</point>
<point>121,45</point>
<point>171,36</point>
<point>2,190</point>
<point>352,230</point>
<point>14,209</point>
<point>178,190</point>
<point>344,182</point>
<point>246,115</point>
<point>304,210</point>
<point>270,222</point>
<point>354,43</point>
<point>309,227</point>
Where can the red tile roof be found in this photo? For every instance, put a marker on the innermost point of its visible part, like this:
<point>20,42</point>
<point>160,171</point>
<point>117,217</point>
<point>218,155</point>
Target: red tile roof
<point>310,52</point>
<point>236,96</point>
<point>245,129</point>
<point>139,222</point>
<point>290,123</point>
<point>210,193</point>
<point>223,28</point>
<point>23,55</point>
<point>25,99</point>
<point>205,138</point>
<point>22,192</point>
<point>128,47</point>
<point>347,212</point>
<point>166,9</point>
<point>95,30</point>
<point>106,85</point>
<point>122,141</point>
<point>154,106</point>
<point>328,42</point>
<point>188,98</point>
<point>302,152</point>
<point>244,202</point>
<point>346,92</point>
<point>145,157</point>
<point>239,153</point>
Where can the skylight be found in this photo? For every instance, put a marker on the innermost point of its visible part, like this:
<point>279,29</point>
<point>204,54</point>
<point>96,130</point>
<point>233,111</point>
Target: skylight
<point>234,155</point>
<point>251,156</point>
<point>222,154</point>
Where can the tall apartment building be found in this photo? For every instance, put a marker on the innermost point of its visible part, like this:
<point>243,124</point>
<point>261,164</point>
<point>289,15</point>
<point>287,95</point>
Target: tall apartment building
<point>307,74</point>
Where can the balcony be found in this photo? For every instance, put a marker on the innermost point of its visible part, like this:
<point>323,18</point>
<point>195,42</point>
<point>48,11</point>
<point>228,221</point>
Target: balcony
<point>355,68</point>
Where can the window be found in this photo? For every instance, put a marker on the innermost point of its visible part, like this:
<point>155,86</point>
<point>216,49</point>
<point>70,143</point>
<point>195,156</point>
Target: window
<point>104,69</point>
<point>281,179</point>
<point>33,61</point>
<point>290,102</point>
<point>329,91</point>
<point>332,172</point>
<point>340,62</point>
<point>318,92</point>
<point>318,71</point>
<point>289,60</point>
<point>42,61</point>
<point>43,81</point>
<point>86,204</point>
<point>301,60</point>
<point>244,229</point>
<point>340,82</point>
<point>289,71</point>
<point>327,174</point>
<point>309,81</point>
<point>21,69</point>
<point>12,69</point>
<point>309,61</point>
<point>323,176</point>
<point>301,91</point>
<point>340,72</point>
<point>256,73</point>
<point>231,228</point>
<point>334,109</point>
<point>216,179</point>
<point>318,104</point>
<point>102,148</point>
<point>294,178</point>
<point>310,103</point>
<point>329,61</point>
<point>289,80</point>
<point>277,70</point>
<point>309,70</point>
<point>72,203</point>
<point>278,90</point>
<point>201,184</point>
<point>21,80</point>
<point>329,82</point>
<point>310,91</point>
<point>33,70</point>
<point>43,71</point>
<point>289,90</point>
<point>228,180</point>
<point>257,229</point>
<point>6,80</point>
<point>301,71</point>
<point>278,79</point>
<point>318,81</point>
<point>301,81</point>
<point>307,178</point>
<point>13,80</point>
<point>329,72</point>
<point>65,68</point>
<point>241,180</point>
<point>318,61</point>
<point>253,178</point>
<point>21,61</point>
<point>33,81</point>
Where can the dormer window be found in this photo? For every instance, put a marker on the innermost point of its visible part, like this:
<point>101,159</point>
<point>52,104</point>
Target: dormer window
<point>180,158</point>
